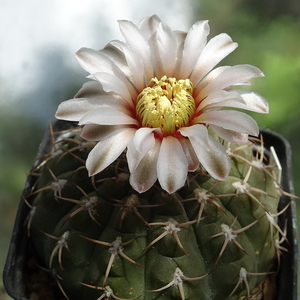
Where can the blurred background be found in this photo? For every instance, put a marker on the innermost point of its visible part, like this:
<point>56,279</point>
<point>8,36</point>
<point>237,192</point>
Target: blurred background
<point>38,69</point>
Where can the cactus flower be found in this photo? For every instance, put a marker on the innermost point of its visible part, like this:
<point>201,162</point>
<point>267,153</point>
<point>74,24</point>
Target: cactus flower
<point>156,95</point>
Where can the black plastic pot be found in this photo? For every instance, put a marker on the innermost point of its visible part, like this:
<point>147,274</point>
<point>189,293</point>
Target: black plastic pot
<point>15,271</point>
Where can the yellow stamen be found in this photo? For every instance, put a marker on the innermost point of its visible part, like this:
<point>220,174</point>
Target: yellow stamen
<point>167,104</point>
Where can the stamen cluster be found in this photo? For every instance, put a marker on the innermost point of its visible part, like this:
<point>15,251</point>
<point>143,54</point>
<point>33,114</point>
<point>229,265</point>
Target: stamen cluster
<point>167,104</point>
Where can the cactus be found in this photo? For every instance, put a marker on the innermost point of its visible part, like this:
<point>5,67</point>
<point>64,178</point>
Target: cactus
<point>102,240</point>
<point>156,191</point>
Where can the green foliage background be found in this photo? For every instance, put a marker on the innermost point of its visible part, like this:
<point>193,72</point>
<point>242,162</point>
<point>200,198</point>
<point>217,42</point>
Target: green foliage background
<point>268,34</point>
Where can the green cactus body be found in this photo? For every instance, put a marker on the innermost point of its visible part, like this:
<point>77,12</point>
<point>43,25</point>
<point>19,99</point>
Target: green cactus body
<point>103,240</point>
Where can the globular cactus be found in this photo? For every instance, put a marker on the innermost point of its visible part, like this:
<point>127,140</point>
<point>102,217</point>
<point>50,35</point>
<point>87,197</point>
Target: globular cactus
<point>157,192</point>
<point>101,239</point>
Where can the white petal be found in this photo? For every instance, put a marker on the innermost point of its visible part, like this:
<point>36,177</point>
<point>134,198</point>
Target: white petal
<point>230,120</point>
<point>230,136</point>
<point>149,25</point>
<point>211,154</point>
<point>135,64</point>
<point>238,74</point>
<point>108,150</point>
<point>254,101</point>
<point>220,99</point>
<point>92,132</point>
<point>214,51</point>
<point>93,61</point>
<point>208,78</point>
<point>194,43</point>
<point>75,109</point>
<point>172,165</point>
<point>240,99</point>
<point>236,102</point>
<point>193,161</point>
<point>163,49</point>
<point>112,83</point>
<point>142,142</point>
<point>180,38</point>
<point>145,174</point>
<point>135,39</point>
<point>115,55</point>
<point>107,116</point>
<point>90,89</point>
<point>197,130</point>
<point>100,62</point>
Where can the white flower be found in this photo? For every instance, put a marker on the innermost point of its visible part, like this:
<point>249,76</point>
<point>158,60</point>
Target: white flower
<point>156,95</point>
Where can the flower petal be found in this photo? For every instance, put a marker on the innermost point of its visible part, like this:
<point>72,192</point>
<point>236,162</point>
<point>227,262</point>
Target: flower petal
<point>135,39</point>
<point>135,64</point>
<point>211,154</point>
<point>90,89</point>
<point>193,161</point>
<point>229,119</point>
<point>193,46</point>
<point>75,109</point>
<point>230,136</point>
<point>93,61</point>
<point>108,150</point>
<point>240,99</point>
<point>98,62</point>
<point>239,74</point>
<point>220,99</point>
<point>208,78</point>
<point>142,142</point>
<point>254,101</point>
<point>92,132</point>
<point>145,174</point>
<point>114,54</point>
<point>164,49</point>
<point>172,165</point>
<point>112,83</point>
<point>148,25</point>
<point>180,38</point>
<point>197,131</point>
<point>214,51</point>
<point>94,90</point>
<point>107,116</point>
